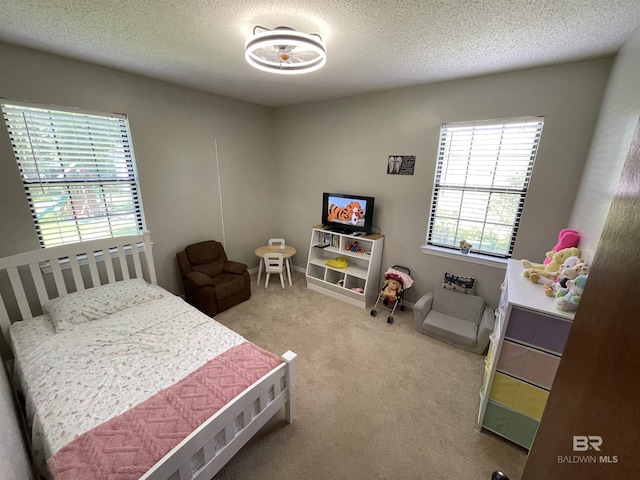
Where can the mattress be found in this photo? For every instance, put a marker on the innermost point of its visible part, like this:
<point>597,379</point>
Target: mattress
<point>97,370</point>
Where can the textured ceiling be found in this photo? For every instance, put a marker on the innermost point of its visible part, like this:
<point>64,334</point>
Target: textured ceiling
<point>371,45</point>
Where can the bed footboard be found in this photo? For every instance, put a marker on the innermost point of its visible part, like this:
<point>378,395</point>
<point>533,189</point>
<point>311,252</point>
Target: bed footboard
<point>203,453</point>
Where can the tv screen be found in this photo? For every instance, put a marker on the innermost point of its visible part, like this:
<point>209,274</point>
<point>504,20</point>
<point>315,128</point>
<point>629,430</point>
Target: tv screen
<point>347,213</point>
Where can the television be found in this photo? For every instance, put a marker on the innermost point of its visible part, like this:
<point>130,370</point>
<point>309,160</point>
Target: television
<point>347,213</point>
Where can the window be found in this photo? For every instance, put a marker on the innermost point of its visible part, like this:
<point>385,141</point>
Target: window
<point>78,171</point>
<point>482,176</point>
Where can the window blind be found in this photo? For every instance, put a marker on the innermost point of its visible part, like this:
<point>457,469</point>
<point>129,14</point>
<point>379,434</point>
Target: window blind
<point>78,172</point>
<point>482,177</point>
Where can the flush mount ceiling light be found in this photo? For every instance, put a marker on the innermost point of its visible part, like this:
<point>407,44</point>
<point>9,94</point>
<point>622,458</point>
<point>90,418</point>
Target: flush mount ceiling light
<point>285,51</point>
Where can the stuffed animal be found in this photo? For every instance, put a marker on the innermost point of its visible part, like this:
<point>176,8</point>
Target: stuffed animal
<point>551,269</point>
<point>392,289</point>
<point>353,247</point>
<point>568,299</point>
<point>567,238</point>
<point>464,245</point>
<point>567,272</point>
<point>569,262</point>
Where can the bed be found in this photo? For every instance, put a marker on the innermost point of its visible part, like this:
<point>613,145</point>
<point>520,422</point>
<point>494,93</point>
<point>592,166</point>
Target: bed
<point>120,377</point>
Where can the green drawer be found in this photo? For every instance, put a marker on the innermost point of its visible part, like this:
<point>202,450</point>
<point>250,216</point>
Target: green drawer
<point>512,425</point>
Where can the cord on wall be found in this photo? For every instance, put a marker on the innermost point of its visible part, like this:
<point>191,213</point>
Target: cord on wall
<point>224,239</point>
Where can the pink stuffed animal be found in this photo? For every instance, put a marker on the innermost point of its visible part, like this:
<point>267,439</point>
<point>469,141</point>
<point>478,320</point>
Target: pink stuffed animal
<point>567,238</point>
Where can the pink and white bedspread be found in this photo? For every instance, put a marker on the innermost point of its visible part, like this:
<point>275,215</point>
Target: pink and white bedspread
<point>128,445</point>
<point>82,377</point>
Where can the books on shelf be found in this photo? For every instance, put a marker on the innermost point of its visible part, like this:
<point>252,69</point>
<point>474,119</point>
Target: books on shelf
<point>328,240</point>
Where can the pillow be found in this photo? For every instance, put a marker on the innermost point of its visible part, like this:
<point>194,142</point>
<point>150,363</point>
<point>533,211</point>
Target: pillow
<point>98,302</point>
<point>460,284</point>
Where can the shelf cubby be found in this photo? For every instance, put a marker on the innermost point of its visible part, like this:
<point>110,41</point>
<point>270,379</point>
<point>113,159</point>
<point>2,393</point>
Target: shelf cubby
<point>356,284</point>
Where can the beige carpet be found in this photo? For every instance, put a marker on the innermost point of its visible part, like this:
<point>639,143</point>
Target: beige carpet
<point>374,401</point>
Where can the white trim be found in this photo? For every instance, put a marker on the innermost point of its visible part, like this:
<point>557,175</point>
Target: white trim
<point>470,257</point>
<point>61,108</point>
<point>496,121</point>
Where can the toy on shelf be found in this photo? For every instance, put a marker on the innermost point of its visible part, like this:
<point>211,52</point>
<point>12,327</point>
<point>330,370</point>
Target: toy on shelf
<point>566,247</point>
<point>551,269</point>
<point>353,247</point>
<point>569,271</point>
<point>568,263</point>
<point>568,299</point>
<point>567,238</point>
<point>338,262</point>
<point>465,246</point>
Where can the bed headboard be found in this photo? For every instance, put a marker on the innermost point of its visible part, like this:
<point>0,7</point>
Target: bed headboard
<point>36,277</point>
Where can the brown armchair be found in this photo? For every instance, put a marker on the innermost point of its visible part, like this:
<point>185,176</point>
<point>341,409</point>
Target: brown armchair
<point>212,283</point>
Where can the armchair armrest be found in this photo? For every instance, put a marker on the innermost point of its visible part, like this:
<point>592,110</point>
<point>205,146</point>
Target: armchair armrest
<point>234,267</point>
<point>421,308</point>
<point>485,328</point>
<point>198,279</point>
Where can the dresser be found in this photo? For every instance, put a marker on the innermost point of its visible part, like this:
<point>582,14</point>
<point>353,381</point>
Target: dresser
<point>523,356</point>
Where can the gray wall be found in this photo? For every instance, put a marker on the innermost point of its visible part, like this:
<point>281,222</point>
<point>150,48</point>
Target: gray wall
<point>343,145</point>
<point>275,163</point>
<point>611,141</point>
<point>174,131</point>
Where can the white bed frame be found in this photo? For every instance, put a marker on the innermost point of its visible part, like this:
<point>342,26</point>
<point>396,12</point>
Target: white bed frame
<point>32,275</point>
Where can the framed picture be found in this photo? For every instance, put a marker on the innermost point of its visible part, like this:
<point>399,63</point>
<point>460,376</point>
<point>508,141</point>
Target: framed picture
<point>401,164</point>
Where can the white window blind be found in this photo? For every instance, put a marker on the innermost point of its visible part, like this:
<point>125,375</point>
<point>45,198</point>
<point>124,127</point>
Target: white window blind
<point>78,171</point>
<point>482,177</point>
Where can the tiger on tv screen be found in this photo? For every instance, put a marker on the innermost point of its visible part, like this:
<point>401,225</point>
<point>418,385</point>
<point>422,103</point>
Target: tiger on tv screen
<point>347,211</point>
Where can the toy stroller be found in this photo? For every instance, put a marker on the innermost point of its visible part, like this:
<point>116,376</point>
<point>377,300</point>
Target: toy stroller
<point>397,280</point>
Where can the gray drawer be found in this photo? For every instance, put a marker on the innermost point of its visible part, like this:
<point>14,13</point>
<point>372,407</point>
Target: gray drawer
<point>512,425</point>
<point>539,330</point>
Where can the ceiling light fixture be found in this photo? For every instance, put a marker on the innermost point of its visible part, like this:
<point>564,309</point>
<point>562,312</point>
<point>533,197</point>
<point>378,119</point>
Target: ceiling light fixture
<point>284,50</point>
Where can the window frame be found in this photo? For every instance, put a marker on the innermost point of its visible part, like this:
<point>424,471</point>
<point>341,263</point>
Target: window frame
<point>102,171</point>
<point>447,131</point>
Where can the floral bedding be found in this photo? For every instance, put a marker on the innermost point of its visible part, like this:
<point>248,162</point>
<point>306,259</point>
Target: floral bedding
<point>84,374</point>
<point>98,302</point>
<point>130,444</point>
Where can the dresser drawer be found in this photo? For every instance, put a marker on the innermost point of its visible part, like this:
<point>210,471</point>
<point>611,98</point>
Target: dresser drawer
<point>520,396</point>
<point>538,330</point>
<point>529,364</point>
<point>512,425</point>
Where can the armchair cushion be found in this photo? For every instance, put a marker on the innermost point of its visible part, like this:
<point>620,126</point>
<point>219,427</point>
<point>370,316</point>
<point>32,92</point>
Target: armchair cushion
<point>421,308</point>
<point>451,303</point>
<point>207,257</point>
<point>235,267</point>
<point>227,284</point>
<point>451,329</point>
<point>199,279</point>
